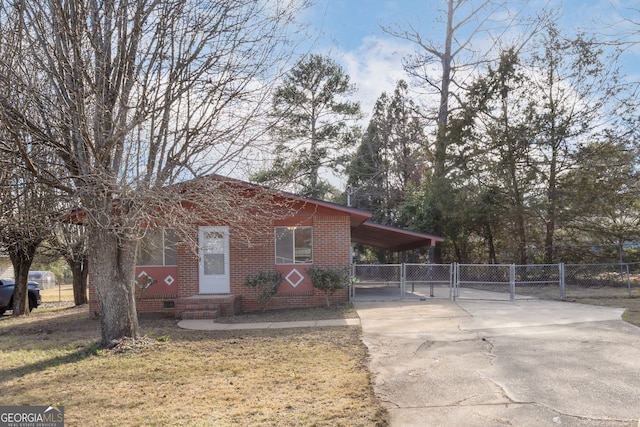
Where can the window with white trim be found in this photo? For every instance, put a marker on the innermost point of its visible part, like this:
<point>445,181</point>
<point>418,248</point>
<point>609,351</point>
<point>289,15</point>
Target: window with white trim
<point>294,245</point>
<point>158,247</point>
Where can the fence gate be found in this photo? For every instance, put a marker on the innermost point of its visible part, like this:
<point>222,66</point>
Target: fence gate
<point>484,282</point>
<point>376,282</point>
<point>384,282</point>
<point>423,281</point>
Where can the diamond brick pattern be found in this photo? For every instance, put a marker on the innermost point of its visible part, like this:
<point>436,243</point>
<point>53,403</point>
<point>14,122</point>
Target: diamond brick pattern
<point>294,277</point>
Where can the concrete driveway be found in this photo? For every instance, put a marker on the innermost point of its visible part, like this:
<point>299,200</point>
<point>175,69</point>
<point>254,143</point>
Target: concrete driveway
<point>483,363</point>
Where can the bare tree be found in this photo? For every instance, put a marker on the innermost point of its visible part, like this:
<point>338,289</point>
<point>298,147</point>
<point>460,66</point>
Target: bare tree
<point>470,29</point>
<point>26,220</point>
<point>135,97</point>
<point>26,214</point>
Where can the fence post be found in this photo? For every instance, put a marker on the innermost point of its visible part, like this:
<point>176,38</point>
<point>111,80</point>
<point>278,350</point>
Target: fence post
<point>403,282</point>
<point>628,281</point>
<point>512,281</point>
<point>430,276</point>
<point>453,280</point>
<point>352,288</point>
<point>562,283</point>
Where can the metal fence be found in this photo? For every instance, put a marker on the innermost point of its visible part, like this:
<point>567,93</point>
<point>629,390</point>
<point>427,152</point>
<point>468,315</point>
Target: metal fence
<point>376,282</point>
<point>507,282</point>
<point>602,280</point>
<point>401,281</point>
<point>498,282</point>
<point>423,281</point>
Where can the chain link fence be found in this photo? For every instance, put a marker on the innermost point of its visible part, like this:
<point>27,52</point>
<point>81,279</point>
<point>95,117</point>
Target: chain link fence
<point>498,282</point>
<point>376,282</point>
<point>486,282</point>
<point>401,281</point>
<point>422,281</point>
<point>541,281</point>
<point>508,282</point>
<point>602,280</point>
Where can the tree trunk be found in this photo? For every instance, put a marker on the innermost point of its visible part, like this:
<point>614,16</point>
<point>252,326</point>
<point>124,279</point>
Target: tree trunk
<point>442,122</point>
<point>550,224</point>
<point>517,201</point>
<point>112,267</point>
<point>20,291</point>
<point>521,232</point>
<point>457,251</point>
<point>80,270</point>
<point>22,258</point>
<point>493,259</point>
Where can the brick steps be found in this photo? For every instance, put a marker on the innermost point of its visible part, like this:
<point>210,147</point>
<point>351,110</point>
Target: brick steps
<point>199,309</point>
<point>200,306</point>
<point>199,314</point>
<point>206,307</point>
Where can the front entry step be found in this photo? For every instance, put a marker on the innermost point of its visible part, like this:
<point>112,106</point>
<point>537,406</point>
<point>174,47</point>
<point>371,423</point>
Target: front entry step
<point>199,314</point>
<point>209,306</point>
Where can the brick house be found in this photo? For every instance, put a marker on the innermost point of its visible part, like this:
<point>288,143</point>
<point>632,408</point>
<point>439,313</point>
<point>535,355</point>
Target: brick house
<point>206,279</point>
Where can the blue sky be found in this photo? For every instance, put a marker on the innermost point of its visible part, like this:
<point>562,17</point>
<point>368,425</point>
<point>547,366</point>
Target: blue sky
<point>349,31</point>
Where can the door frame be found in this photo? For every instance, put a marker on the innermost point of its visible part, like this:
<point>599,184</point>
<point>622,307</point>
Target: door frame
<point>220,284</point>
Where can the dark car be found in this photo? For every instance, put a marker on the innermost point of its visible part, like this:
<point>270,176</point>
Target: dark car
<point>6,295</point>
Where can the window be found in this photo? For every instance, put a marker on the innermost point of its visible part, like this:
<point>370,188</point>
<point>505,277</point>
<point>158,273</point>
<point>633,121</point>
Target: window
<point>213,252</point>
<point>158,247</point>
<point>294,245</point>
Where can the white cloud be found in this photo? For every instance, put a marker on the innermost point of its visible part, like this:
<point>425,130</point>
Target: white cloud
<point>375,67</point>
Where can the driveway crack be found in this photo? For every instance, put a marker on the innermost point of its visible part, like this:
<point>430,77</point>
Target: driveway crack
<point>585,418</point>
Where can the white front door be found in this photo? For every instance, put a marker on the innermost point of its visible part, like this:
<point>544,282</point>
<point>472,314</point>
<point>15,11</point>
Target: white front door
<point>214,260</point>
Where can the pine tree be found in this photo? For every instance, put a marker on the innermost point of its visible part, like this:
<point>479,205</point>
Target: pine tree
<point>316,125</point>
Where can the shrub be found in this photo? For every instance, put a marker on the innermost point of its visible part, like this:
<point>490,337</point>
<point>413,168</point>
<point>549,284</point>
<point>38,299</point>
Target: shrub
<point>266,282</point>
<point>329,280</point>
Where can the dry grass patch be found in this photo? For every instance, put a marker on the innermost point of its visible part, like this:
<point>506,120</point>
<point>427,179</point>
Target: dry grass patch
<point>187,378</point>
<point>58,293</point>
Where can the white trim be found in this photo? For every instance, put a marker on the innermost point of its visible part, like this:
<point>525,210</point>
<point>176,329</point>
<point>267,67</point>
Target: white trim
<point>208,282</point>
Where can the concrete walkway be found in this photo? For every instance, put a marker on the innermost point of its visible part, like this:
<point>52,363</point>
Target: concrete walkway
<point>481,363</point>
<point>210,325</point>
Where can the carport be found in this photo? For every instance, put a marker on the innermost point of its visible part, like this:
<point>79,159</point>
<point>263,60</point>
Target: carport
<point>376,282</point>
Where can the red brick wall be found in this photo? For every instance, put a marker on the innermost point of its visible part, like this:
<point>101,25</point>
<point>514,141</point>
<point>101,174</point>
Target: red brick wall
<point>188,266</point>
<point>331,248</point>
<point>256,253</point>
<point>331,241</point>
